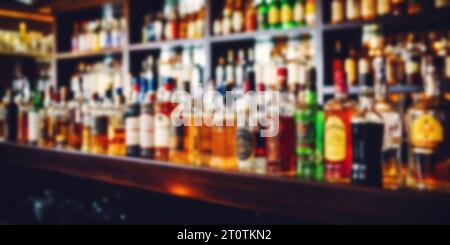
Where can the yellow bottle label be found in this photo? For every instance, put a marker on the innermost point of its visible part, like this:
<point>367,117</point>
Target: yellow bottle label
<point>335,139</point>
<point>274,16</point>
<point>351,70</point>
<point>427,131</point>
<point>286,14</point>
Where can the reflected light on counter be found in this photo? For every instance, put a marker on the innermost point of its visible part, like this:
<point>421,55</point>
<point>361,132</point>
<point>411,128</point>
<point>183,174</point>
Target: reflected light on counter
<point>181,190</point>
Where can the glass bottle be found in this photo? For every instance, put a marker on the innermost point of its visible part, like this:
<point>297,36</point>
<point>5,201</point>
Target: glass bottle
<point>179,138</point>
<point>441,4</point>
<point>414,7</point>
<point>309,119</point>
<point>310,12</point>
<point>163,110</point>
<point>147,121</point>
<point>368,9</point>
<point>287,14</point>
<point>116,135</point>
<point>132,123</point>
<point>299,14</point>
<point>338,142</point>
<point>227,22</point>
<point>413,61</point>
<point>100,120</point>
<point>337,11</point>
<point>398,7</point>
<point>34,119</point>
<point>429,135</point>
<point>353,10</point>
<point>251,16</point>
<point>237,16</point>
<point>383,8</point>
<point>351,67</point>
<point>392,169</point>
<point>281,158</point>
<point>76,121</point>
<point>274,14</point>
<point>367,130</point>
<point>61,114</point>
<point>263,15</point>
<point>12,113</point>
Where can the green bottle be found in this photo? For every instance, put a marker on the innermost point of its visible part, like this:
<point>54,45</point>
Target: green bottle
<point>274,14</point>
<point>310,132</point>
<point>287,14</point>
<point>263,15</point>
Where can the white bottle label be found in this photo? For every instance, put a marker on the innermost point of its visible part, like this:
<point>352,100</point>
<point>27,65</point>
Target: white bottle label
<point>147,131</point>
<point>392,130</point>
<point>132,131</point>
<point>162,131</point>
<point>33,126</point>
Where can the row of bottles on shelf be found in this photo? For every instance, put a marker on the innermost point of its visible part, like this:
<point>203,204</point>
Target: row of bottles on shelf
<point>179,20</point>
<point>109,32</point>
<point>353,10</point>
<point>404,54</point>
<point>342,142</point>
<point>252,15</point>
<point>25,41</point>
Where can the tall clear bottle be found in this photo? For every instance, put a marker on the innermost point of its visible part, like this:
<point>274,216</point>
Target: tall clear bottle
<point>163,111</point>
<point>132,123</point>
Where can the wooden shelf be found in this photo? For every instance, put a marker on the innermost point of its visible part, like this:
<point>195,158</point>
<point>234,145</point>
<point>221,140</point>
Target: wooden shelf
<point>90,54</point>
<point>166,44</point>
<point>286,197</point>
<point>32,55</point>
<point>262,34</point>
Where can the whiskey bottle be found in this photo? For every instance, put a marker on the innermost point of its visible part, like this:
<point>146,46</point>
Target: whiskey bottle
<point>76,121</point>
<point>392,169</point>
<point>367,138</point>
<point>116,128</point>
<point>87,111</point>
<point>383,8</point>
<point>34,119</point>
<point>351,67</point>
<point>413,61</point>
<point>132,123</point>
<point>368,9</point>
<point>163,110</point>
<point>263,15</point>
<point>61,114</point>
<point>227,22</point>
<point>100,121</point>
<point>309,118</point>
<point>338,142</point>
<point>337,11</point>
<point>180,142</point>
<point>247,131</point>
<point>47,135</point>
<point>353,10</point>
<point>429,135</point>
<point>281,159</point>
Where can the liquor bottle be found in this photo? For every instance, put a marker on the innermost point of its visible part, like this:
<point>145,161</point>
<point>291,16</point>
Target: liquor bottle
<point>398,7</point>
<point>147,121</point>
<point>392,170</point>
<point>351,67</point>
<point>368,9</point>
<point>338,59</point>
<point>4,118</point>
<point>76,121</point>
<point>132,123</point>
<point>200,21</point>
<point>205,130</point>
<point>223,134</point>
<point>47,131</point>
<point>75,37</point>
<point>163,110</point>
<point>365,65</point>
<point>159,27</point>
<point>413,61</point>
<point>87,110</point>
<point>148,32</point>
<point>299,14</point>
<point>230,68</point>
<point>179,138</point>
<point>309,118</point>
<point>310,13</point>
<point>367,130</point>
<point>337,11</point>
<point>12,113</point>
<point>429,135</point>
<point>414,7</point>
<point>251,16</point>
<point>34,120</point>
<point>247,131</point>
<point>263,15</point>
<point>281,159</point>
<point>383,8</point>
<point>237,16</point>
<point>227,22</point>
<point>338,142</point>
<point>100,120</point>
<point>353,10</point>
<point>274,14</point>
<point>287,14</point>
<point>116,128</point>
<point>61,116</point>
<point>441,4</point>
<point>23,103</point>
